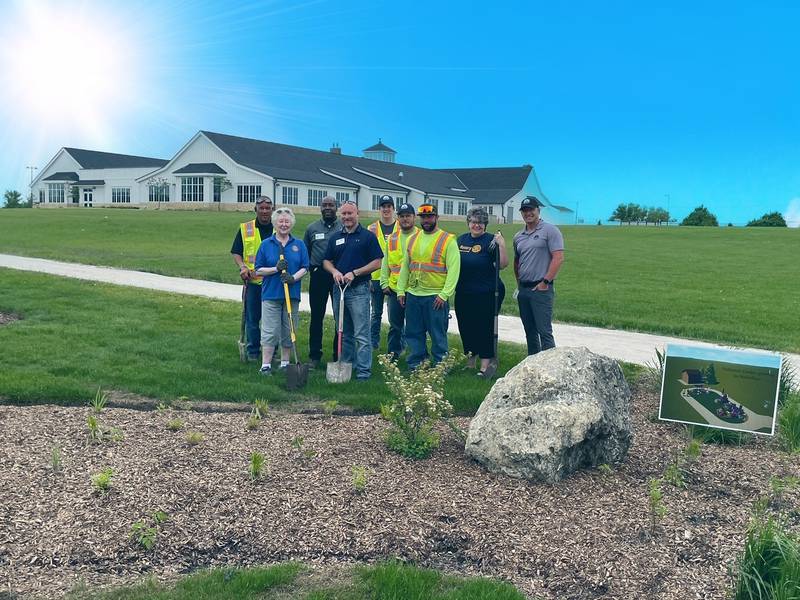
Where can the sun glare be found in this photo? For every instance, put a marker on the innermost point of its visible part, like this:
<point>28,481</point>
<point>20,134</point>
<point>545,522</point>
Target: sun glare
<point>65,68</point>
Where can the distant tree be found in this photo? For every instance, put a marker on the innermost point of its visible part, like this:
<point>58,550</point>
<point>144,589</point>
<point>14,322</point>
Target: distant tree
<point>599,222</point>
<point>656,215</point>
<point>620,214</point>
<point>773,219</point>
<point>636,213</point>
<point>700,217</point>
<point>13,199</point>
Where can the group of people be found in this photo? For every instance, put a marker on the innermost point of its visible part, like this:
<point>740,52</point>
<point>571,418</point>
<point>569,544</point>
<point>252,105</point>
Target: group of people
<point>416,270</point>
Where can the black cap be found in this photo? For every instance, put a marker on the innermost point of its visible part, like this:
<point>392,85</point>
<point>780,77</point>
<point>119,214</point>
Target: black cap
<point>386,199</point>
<point>530,202</point>
<point>405,209</point>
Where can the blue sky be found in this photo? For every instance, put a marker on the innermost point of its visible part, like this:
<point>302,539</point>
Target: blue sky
<point>673,105</point>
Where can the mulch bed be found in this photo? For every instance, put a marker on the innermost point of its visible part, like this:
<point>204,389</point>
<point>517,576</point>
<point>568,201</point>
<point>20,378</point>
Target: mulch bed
<point>6,318</point>
<point>587,537</point>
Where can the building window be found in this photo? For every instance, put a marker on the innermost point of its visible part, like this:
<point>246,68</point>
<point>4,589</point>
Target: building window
<point>192,189</point>
<point>120,195</point>
<point>247,193</point>
<point>342,197</point>
<point>316,196</point>
<point>289,195</point>
<point>448,207</point>
<point>375,199</point>
<point>434,201</point>
<point>462,209</point>
<point>158,193</point>
<point>41,196</point>
<point>217,189</point>
<point>55,193</point>
<point>398,200</point>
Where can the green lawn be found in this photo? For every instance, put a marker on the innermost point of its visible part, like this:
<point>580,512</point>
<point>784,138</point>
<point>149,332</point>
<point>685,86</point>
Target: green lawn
<point>387,581</point>
<point>76,336</point>
<point>733,285</point>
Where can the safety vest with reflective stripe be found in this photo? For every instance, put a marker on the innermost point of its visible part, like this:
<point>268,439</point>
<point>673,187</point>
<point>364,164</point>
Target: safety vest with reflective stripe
<point>428,269</point>
<point>375,228</point>
<point>251,239</point>
<point>395,250</point>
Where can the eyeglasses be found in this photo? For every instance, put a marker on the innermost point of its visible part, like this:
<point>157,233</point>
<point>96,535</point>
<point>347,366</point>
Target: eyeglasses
<point>353,202</point>
<point>427,209</point>
<point>476,223</point>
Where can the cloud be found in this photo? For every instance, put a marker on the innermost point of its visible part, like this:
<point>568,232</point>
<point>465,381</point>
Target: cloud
<point>792,213</point>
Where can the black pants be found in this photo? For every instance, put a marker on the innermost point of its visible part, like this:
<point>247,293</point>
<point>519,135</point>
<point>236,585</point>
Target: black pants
<point>536,312</point>
<point>320,288</point>
<point>475,315</point>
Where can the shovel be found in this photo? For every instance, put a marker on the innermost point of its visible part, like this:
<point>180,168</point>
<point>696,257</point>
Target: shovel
<point>242,342</point>
<point>491,370</point>
<point>296,374</point>
<point>340,371</point>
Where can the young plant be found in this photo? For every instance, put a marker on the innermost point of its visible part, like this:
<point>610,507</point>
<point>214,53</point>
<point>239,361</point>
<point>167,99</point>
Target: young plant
<point>605,469</point>
<point>253,422</point>
<point>692,451</point>
<point>257,463</point>
<point>297,443</point>
<point>102,480</point>
<point>95,430</point>
<point>145,535</point>
<point>789,423</point>
<point>656,504</point>
<point>260,408</point>
<point>55,458</point>
<point>359,474</point>
<point>175,424</point>
<point>193,438</point>
<point>115,434</point>
<point>417,406</point>
<point>673,474</point>
<point>99,402</point>
<point>328,407</point>
<point>780,485</point>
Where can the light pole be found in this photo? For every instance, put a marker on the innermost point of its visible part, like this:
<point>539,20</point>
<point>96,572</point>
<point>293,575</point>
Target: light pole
<point>30,185</point>
<point>668,215</point>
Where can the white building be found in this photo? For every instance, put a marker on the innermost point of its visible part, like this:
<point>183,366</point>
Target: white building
<point>217,170</point>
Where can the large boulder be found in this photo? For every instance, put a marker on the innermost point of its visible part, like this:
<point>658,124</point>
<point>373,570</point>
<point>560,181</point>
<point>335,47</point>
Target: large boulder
<point>554,413</point>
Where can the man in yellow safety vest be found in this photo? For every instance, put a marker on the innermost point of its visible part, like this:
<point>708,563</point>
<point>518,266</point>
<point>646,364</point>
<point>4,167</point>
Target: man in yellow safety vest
<point>381,229</point>
<point>245,246</point>
<point>428,278</point>
<point>390,273</point>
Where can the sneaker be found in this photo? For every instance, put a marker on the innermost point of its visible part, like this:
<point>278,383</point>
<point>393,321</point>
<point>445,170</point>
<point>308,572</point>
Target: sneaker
<point>265,370</point>
<point>253,357</point>
<point>283,368</point>
<point>313,364</point>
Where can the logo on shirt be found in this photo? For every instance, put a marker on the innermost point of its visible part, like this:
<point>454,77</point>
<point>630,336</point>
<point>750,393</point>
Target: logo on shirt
<point>536,237</point>
<point>295,248</point>
<point>476,248</point>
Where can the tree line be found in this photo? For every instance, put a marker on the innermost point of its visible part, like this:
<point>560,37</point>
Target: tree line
<point>634,213</point>
<point>700,217</point>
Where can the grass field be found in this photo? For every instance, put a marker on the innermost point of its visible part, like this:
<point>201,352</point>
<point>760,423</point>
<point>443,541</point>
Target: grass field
<point>733,285</point>
<point>76,336</point>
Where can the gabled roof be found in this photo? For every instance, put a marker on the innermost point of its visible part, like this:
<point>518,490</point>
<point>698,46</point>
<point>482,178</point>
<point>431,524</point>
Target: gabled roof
<point>62,176</point>
<point>272,158</point>
<point>379,147</point>
<point>92,159</point>
<point>213,168</point>
<point>493,178</point>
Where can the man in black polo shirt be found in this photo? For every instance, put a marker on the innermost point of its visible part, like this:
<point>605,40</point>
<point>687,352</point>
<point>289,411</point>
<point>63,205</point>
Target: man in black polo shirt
<point>352,255</point>
<point>320,285</point>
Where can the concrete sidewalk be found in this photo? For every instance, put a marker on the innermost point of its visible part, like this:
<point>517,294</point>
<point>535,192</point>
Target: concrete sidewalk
<point>621,345</point>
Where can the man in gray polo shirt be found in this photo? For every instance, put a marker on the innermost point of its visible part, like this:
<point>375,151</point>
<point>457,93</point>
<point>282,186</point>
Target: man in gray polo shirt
<point>538,254</point>
<point>320,285</point>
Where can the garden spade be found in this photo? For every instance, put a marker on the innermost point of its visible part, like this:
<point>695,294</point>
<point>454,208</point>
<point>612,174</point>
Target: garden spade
<point>296,374</point>
<point>340,371</point>
<point>491,370</point>
<point>242,342</point>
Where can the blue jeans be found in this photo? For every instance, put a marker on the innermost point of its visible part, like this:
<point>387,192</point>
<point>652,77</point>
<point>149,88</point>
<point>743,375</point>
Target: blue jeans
<point>376,301</point>
<point>252,315</point>
<point>422,318</point>
<point>356,346</point>
<point>397,322</point>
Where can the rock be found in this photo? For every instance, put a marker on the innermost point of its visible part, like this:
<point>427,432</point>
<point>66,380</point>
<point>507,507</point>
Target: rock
<point>555,412</point>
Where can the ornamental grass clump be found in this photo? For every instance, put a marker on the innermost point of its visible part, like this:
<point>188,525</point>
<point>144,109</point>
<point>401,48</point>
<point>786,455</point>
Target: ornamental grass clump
<point>417,406</point>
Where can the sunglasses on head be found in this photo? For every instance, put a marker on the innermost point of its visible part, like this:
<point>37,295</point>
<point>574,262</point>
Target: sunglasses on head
<point>353,202</point>
<point>426,210</point>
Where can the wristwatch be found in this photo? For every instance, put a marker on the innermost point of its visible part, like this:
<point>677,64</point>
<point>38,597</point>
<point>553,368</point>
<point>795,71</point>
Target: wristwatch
<point>547,281</point>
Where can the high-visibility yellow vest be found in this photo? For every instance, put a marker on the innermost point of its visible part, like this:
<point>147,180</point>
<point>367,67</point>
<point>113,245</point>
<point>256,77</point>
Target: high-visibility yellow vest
<point>375,228</point>
<point>395,250</point>
<point>251,238</point>
<point>428,269</point>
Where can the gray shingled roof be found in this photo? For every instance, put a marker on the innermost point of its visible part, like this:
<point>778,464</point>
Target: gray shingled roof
<point>92,159</point>
<point>92,182</point>
<point>212,168</point>
<point>270,158</point>
<point>62,176</point>
<point>379,147</point>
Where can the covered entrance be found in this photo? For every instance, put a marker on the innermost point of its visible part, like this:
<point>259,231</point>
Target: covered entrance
<point>87,197</point>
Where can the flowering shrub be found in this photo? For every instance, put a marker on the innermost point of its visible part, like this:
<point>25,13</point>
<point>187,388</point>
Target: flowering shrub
<point>417,405</point>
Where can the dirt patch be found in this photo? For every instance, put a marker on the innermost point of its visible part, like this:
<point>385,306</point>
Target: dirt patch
<point>6,318</point>
<point>587,537</point>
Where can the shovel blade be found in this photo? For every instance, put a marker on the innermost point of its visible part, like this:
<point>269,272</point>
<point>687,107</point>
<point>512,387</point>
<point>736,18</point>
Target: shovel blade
<point>242,351</point>
<point>339,372</point>
<point>296,376</point>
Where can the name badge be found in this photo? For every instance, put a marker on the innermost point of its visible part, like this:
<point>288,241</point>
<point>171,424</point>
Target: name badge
<point>340,241</point>
<point>319,236</point>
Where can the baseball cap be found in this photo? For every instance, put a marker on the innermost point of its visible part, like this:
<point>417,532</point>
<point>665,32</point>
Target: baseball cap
<point>405,209</point>
<point>428,209</point>
<point>530,202</point>
<point>386,199</point>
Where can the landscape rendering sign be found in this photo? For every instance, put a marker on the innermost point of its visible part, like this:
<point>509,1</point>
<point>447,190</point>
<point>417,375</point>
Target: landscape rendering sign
<point>717,387</point>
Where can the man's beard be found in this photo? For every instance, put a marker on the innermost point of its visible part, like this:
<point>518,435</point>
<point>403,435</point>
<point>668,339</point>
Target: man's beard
<point>429,226</point>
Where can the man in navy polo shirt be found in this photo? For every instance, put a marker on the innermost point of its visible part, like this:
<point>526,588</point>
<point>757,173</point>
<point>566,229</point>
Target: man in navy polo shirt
<point>352,255</point>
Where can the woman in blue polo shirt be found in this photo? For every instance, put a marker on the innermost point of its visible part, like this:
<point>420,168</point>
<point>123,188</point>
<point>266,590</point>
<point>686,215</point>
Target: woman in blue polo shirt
<point>276,272</point>
<point>475,303</point>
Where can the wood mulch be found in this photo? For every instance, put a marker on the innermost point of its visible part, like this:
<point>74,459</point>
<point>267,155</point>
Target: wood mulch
<point>586,537</point>
<point>6,318</point>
